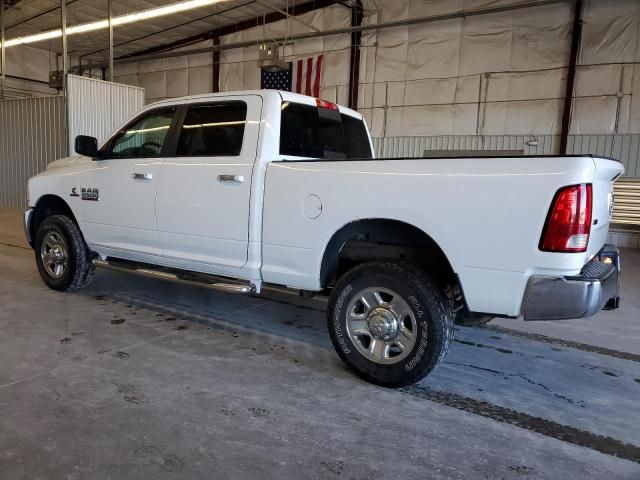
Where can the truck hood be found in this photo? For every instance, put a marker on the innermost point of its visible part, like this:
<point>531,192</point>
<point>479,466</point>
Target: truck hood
<point>69,162</point>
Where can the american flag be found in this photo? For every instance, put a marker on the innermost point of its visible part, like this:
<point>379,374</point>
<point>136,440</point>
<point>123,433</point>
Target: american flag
<point>303,76</point>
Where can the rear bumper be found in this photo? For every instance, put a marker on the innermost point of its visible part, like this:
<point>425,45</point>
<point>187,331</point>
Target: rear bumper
<point>597,287</point>
<point>28,215</point>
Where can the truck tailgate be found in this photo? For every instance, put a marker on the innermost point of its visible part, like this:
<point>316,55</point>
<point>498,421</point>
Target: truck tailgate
<point>606,172</point>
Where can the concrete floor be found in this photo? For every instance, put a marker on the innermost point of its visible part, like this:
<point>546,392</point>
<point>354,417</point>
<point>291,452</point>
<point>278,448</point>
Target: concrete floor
<point>134,379</point>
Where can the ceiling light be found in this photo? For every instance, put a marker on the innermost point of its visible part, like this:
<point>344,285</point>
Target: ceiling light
<point>116,21</point>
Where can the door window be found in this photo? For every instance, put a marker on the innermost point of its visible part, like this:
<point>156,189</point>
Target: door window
<point>213,130</point>
<point>144,137</point>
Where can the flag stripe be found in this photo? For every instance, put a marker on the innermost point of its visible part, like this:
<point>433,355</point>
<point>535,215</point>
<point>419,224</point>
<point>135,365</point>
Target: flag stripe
<point>316,86</point>
<point>299,77</point>
<point>307,90</point>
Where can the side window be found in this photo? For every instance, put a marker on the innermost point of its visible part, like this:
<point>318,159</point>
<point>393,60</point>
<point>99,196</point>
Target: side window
<point>213,130</point>
<point>144,137</point>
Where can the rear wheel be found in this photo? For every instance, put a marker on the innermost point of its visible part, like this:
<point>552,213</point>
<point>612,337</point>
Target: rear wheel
<point>390,322</point>
<point>62,257</point>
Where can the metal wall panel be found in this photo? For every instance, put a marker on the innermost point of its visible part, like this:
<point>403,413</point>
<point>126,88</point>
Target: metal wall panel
<point>625,148</point>
<point>97,108</point>
<point>416,146</point>
<point>31,136</point>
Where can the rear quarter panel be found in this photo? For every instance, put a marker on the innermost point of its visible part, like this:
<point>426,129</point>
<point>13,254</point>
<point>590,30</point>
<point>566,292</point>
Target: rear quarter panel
<point>487,215</point>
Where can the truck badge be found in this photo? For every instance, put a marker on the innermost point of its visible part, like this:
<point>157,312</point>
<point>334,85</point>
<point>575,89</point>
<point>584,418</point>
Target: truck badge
<point>74,192</point>
<point>91,194</point>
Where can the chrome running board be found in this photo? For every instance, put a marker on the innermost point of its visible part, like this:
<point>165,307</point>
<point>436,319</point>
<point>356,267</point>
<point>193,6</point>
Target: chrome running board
<point>199,280</point>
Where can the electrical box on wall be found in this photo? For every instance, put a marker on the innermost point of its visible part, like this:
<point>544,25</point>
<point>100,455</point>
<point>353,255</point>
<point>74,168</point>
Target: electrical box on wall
<point>269,58</point>
<point>55,79</point>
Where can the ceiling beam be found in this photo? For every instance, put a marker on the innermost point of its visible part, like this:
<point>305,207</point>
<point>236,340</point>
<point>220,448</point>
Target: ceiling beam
<point>238,27</point>
<point>340,31</point>
<point>214,14</point>
<point>37,15</point>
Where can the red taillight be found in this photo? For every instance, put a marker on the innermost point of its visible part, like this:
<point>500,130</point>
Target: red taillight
<point>324,104</point>
<point>569,221</point>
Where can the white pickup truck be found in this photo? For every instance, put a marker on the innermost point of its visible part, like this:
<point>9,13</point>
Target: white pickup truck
<point>236,191</point>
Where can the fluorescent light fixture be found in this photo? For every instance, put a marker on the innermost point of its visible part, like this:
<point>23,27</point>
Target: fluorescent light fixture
<point>116,21</point>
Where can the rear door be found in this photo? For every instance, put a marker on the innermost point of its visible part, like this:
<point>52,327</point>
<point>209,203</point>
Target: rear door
<point>204,191</point>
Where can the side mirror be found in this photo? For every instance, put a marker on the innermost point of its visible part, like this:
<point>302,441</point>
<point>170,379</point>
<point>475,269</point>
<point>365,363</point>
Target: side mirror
<point>87,146</point>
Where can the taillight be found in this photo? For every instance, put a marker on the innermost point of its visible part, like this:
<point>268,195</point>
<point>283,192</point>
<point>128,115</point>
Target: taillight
<point>569,221</point>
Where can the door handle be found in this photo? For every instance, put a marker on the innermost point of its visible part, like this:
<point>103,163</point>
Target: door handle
<point>231,178</point>
<point>142,176</point>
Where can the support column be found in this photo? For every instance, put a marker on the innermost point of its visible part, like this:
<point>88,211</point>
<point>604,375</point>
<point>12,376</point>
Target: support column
<point>65,66</point>
<point>110,13</point>
<point>216,67</point>
<point>354,63</point>
<point>576,37</point>
<point>3,74</point>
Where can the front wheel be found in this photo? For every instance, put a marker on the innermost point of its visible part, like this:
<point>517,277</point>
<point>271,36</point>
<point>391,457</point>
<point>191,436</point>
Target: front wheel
<point>390,322</point>
<point>62,256</point>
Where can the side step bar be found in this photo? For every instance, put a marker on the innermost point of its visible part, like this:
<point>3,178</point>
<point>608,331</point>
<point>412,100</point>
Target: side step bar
<point>200,280</point>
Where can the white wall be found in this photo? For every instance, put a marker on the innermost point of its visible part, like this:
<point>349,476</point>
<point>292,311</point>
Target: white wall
<point>239,69</point>
<point>29,62</point>
<point>193,74</point>
<point>498,74</point>
<point>501,73</point>
<point>170,77</point>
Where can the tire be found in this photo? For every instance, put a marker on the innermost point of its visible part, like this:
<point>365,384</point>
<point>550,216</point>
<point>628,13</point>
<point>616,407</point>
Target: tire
<point>62,256</point>
<point>403,295</point>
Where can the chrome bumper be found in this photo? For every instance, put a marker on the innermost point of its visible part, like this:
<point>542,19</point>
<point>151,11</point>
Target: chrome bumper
<point>596,288</point>
<point>28,215</point>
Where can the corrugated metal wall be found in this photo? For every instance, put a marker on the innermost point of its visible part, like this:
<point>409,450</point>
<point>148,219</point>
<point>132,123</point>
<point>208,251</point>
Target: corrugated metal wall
<point>625,148</point>
<point>31,136</point>
<point>97,108</point>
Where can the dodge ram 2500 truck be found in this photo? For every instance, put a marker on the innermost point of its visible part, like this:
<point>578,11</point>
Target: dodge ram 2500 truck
<point>236,191</point>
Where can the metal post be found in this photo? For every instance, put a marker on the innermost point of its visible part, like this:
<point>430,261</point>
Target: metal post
<point>215,69</point>
<point>63,21</point>
<point>110,11</point>
<point>65,68</point>
<point>571,74</point>
<point>3,75</point>
<point>354,67</point>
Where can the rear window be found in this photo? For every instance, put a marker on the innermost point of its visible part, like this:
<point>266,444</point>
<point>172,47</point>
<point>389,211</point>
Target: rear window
<point>308,131</point>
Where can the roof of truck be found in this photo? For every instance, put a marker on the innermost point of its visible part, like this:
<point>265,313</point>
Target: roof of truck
<point>284,95</point>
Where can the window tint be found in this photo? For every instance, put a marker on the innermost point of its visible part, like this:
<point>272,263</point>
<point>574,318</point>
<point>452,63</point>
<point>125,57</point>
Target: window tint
<point>213,130</point>
<point>356,138</point>
<point>308,131</point>
<point>144,137</point>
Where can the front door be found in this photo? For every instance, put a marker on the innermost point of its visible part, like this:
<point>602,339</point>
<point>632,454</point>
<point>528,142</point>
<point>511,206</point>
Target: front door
<point>204,191</point>
<point>119,194</point>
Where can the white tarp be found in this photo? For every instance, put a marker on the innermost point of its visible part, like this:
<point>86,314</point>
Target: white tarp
<point>239,69</point>
<point>502,73</point>
<point>490,74</point>
<point>28,62</point>
<point>170,77</point>
<point>193,74</point>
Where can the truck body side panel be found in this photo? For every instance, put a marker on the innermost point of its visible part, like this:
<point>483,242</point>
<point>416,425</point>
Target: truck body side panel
<point>486,214</point>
